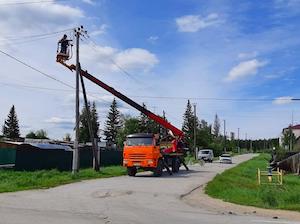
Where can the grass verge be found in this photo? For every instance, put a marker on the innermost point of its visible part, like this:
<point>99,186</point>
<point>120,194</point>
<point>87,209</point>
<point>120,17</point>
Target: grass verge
<point>239,185</point>
<point>11,180</point>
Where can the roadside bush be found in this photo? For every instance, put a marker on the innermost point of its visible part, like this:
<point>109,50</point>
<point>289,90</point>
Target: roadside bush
<point>217,148</point>
<point>268,196</point>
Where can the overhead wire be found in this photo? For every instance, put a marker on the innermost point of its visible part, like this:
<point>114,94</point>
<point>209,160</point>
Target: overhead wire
<point>35,69</point>
<point>46,75</point>
<point>30,2</point>
<point>11,37</point>
<point>246,100</point>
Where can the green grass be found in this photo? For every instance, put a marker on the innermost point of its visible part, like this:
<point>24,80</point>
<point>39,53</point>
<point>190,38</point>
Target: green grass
<point>239,185</point>
<point>11,180</point>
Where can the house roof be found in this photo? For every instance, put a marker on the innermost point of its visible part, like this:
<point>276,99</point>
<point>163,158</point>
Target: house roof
<point>294,127</point>
<point>42,145</point>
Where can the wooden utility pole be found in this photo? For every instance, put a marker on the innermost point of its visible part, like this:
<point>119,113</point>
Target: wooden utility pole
<point>90,126</point>
<point>75,163</point>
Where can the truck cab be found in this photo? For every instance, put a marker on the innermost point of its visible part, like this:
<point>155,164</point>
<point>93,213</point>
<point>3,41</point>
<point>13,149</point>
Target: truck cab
<point>142,151</point>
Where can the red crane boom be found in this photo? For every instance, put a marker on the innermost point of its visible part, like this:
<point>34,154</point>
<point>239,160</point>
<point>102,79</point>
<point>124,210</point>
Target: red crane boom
<point>154,117</point>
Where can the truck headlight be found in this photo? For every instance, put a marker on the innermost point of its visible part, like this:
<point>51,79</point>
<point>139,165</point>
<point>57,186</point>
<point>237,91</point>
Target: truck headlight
<point>150,161</point>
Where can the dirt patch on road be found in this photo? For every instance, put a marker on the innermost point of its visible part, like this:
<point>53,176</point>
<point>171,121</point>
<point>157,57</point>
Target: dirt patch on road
<point>197,198</point>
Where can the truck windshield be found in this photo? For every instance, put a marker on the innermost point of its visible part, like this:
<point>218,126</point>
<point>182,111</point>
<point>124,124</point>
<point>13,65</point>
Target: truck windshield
<point>139,141</point>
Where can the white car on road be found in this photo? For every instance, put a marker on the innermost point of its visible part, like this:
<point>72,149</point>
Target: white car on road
<point>206,154</point>
<point>225,158</point>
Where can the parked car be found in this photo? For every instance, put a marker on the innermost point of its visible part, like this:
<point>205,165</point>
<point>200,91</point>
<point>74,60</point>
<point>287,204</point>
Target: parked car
<point>225,158</point>
<point>206,155</point>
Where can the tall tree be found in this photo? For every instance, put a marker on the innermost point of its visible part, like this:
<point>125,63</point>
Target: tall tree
<point>216,126</point>
<point>67,137</point>
<point>113,124</point>
<point>31,134</point>
<point>11,126</point>
<point>288,138</point>
<point>40,134</point>
<point>189,123</point>
<point>84,134</point>
<point>147,125</point>
<point>130,126</point>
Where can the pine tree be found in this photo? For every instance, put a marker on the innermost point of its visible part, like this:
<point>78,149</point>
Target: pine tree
<point>216,126</point>
<point>84,134</point>
<point>11,125</point>
<point>189,124</point>
<point>147,125</point>
<point>112,125</point>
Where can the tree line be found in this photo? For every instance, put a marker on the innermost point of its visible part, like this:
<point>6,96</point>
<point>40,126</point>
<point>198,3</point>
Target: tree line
<point>117,126</point>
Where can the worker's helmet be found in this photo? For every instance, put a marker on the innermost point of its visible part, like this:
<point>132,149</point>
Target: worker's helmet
<point>65,36</point>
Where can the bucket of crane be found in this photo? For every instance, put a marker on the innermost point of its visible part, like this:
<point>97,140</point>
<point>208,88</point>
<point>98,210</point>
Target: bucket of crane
<point>64,49</point>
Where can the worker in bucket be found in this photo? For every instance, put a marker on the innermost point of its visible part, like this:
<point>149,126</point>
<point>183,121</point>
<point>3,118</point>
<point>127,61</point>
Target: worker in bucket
<point>64,43</point>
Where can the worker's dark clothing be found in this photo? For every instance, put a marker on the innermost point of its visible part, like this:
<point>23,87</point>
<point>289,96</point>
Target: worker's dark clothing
<point>64,43</point>
<point>64,46</point>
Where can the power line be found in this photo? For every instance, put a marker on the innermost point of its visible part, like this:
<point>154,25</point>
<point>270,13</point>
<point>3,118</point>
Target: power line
<point>44,74</point>
<point>33,87</point>
<point>24,41</point>
<point>154,97</point>
<point>11,38</point>
<point>37,70</point>
<point>30,2</point>
<point>113,61</point>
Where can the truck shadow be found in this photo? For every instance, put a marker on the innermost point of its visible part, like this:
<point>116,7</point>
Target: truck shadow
<point>180,174</point>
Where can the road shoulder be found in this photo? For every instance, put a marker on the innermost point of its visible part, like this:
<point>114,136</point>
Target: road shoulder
<point>198,199</point>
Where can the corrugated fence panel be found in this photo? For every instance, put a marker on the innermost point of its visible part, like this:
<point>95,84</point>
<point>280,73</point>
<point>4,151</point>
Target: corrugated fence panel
<point>31,158</point>
<point>7,156</point>
<point>109,158</point>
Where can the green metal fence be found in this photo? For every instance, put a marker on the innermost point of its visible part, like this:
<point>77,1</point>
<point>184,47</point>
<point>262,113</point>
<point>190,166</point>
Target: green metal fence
<point>7,156</point>
<point>31,158</point>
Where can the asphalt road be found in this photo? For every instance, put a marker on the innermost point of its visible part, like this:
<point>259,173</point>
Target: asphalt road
<point>120,200</point>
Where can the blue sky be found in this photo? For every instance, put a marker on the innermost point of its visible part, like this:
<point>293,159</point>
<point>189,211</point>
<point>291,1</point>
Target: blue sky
<point>176,48</point>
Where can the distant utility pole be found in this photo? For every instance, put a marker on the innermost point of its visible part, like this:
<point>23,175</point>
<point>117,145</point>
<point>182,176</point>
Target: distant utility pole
<point>195,116</point>
<point>246,141</point>
<point>224,135</point>
<point>238,140</point>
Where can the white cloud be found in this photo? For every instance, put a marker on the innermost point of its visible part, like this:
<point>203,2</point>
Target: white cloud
<point>136,58</point>
<point>244,69</point>
<point>91,2</point>
<point>194,23</point>
<point>153,39</point>
<point>247,55</point>
<point>105,58</point>
<point>59,120</point>
<point>99,31</point>
<point>283,100</point>
<point>64,123</point>
<point>37,17</point>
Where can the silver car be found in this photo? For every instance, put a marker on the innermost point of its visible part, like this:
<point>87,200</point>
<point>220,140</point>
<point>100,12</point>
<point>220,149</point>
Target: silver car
<point>206,155</point>
<point>225,158</point>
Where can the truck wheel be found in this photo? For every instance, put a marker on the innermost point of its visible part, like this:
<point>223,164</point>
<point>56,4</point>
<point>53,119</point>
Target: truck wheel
<point>175,165</point>
<point>157,172</point>
<point>131,171</point>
